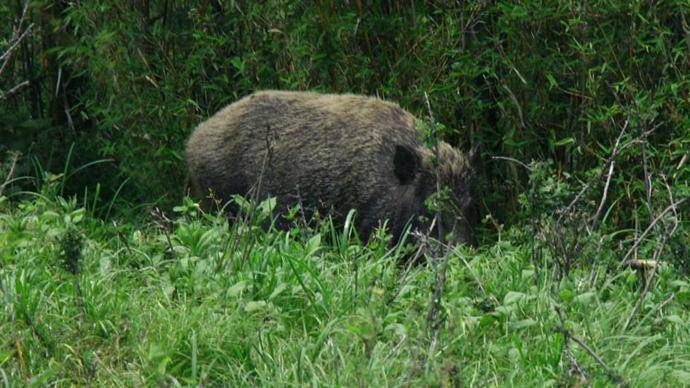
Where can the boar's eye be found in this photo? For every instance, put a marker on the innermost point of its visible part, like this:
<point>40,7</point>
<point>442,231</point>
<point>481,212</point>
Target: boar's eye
<point>405,164</point>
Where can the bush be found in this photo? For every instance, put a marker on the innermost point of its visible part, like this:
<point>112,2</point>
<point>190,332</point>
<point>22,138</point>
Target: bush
<point>531,81</point>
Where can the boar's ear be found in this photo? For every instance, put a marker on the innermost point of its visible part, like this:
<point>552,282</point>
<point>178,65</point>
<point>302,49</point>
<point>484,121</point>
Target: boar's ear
<point>405,164</point>
<point>474,154</point>
<point>474,159</point>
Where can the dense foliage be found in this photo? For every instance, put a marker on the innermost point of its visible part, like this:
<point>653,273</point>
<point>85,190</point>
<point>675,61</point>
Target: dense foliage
<point>581,111</point>
<point>185,302</point>
<point>127,81</point>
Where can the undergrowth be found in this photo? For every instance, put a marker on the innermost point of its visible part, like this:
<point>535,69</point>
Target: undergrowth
<point>580,112</point>
<point>195,299</point>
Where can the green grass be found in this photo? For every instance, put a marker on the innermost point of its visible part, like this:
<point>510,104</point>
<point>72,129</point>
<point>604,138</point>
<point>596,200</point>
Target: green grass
<point>180,303</point>
<point>555,93</point>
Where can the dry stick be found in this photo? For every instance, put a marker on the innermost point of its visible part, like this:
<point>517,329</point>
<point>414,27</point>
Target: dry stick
<point>610,372</point>
<point>66,108</point>
<point>15,157</point>
<point>569,335</point>
<point>609,175</point>
<point>5,57</point>
<point>611,164</point>
<point>647,286</point>
<point>474,275</point>
<point>303,215</point>
<point>11,92</point>
<point>512,160</point>
<point>665,302</point>
<point>598,176</point>
<point>566,344</point>
<point>670,194</point>
<point>635,232</point>
<point>436,155</point>
<point>434,309</point>
<point>647,181</point>
<point>122,238</point>
<point>435,305</point>
<point>424,238</point>
<point>164,225</point>
<point>671,207</point>
<point>638,304</point>
<point>257,193</point>
<point>243,218</point>
<point>575,200</point>
<point>595,220</point>
<point>405,279</point>
<point>655,258</point>
<point>11,319</point>
<point>228,254</point>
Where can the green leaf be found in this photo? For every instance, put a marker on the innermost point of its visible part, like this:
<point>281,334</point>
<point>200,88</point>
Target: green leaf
<point>678,284</point>
<point>513,297</point>
<point>522,324</point>
<point>566,294</point>
<point>278,290</point>
<point>237,289</point>
<point>675,319</point>
<point>255,306</point>
<point>682,376</point>
<point>487,319</point>
<point>397,328</point>
<point>565,141</point>
<point>6,355</point>
<point>527,274</point>
<point>552,81</point>
<point>238,63</point>
<point>585,298</point>
<point>77,215</point>
<point>313,245</point>
<point>683,296</point>
<point>267,205</point>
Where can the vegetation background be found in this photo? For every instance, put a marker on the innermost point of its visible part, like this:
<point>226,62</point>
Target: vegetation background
<point>582,113</point>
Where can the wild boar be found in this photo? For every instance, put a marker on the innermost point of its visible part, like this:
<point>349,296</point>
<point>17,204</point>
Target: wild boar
<point>331,153</point>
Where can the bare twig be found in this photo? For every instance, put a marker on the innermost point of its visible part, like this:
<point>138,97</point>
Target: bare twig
<point>437,156</point>
<point>641,265</point>
<point>433,320</point>
<point>255,195</point>
<point>611,162</point>
<point>15,89</point>
<point>424,239</point>
<point>5,57</point>
<point>258,193</point>
<point>638,304</point>
<point>122,238</point>
<point>70,122</point>
<point>670,194</point>
<point>595,219</point>
<point>165,224</point>
<point>655,259</point>
<point>671,207</point>
<point>17,38</point>
<point>617,149</point>
<point>648,282</point>
<point>422,246</point>
<point>575,200</point>
<point>523,164</point>
<point>665,302</point>
<point>10,174</point>
<point>613,375</point>
<point>647,181</point>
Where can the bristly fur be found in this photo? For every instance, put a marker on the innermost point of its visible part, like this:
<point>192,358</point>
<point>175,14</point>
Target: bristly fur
<point>332,152</point>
